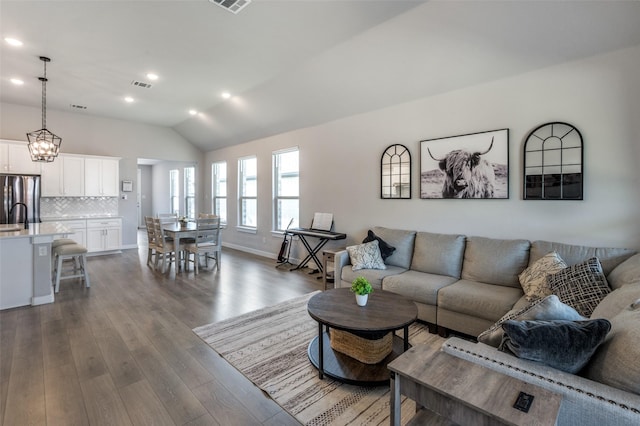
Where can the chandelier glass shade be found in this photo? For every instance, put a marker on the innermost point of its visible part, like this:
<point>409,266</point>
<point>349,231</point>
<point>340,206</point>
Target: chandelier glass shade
<point>44,146</point>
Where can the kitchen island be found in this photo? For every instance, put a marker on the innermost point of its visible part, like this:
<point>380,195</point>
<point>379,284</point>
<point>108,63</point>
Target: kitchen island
<point>25,263</point>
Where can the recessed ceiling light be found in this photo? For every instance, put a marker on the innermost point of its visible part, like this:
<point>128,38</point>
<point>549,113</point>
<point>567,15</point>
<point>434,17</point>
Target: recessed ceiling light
<point>152,76</point>
<point>226,95</point>
<point>17,81</point>
<point>128,99</point>
<point>193,112</point>
<point>13,41</point>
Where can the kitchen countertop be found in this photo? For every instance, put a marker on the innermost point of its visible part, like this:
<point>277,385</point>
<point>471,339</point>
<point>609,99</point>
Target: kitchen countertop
<point>35,230</point>
<point>80,217</point>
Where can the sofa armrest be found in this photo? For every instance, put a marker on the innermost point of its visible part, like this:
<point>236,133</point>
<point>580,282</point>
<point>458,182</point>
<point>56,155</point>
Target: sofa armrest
<point>585,402</point>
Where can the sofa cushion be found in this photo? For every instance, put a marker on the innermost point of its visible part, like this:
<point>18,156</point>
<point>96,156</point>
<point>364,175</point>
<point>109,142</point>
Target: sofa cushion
<point>565,345</point>
<point>402,241</point>
<point>628,272</point>
<point>547,308</point>
<point>440,254</point>
<point>385,249</point>
<point>375,276</point>
<point>486,301</point>
<point>418,286</point>
<point>581,286</point>
<point>534,279</point>
<point>572,254</point>
<point>616,362</point>
<point>366,256</point>
<point>616,301</point>
<point>495,261</point>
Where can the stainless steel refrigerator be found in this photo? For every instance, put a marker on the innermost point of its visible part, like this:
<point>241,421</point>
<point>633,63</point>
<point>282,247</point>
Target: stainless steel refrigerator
<point>23,189</point>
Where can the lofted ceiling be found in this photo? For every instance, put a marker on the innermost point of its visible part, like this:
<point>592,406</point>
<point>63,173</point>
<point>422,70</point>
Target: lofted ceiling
<point>288,64</point>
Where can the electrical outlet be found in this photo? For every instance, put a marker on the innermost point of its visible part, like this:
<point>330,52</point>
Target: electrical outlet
<point>42,251</point>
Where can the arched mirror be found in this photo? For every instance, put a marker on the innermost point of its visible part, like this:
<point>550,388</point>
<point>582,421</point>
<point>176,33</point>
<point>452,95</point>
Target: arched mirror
<point>553,163</point>
<point>395,171</point>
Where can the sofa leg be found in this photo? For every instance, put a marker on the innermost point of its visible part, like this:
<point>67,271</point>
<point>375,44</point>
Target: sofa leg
<point>433,329</point>
<point>443,332</point>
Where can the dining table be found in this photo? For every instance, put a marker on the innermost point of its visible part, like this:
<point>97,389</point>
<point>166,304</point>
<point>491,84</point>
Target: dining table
<point>178,231</point>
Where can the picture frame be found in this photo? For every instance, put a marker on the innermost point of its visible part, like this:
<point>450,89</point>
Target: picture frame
<point>395,173</point>
<point>474,165</point>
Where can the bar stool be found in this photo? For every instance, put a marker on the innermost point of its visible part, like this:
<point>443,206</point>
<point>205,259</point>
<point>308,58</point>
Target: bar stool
<point>54,245</point>
<point>74,252</point>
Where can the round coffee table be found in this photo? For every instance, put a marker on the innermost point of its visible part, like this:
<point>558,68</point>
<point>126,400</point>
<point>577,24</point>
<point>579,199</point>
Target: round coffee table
<point>337,309</point>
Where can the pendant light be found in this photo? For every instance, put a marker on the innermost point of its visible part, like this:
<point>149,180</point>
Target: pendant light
<point>44,146</point>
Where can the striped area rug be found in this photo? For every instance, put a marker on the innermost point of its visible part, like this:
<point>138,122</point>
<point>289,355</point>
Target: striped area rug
<point>269,347</point>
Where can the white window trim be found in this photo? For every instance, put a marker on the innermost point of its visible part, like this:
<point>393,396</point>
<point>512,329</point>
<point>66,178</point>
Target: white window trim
<point>241,227</point>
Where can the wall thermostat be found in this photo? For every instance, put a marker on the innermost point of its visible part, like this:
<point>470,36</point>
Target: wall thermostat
<point>127,186</point>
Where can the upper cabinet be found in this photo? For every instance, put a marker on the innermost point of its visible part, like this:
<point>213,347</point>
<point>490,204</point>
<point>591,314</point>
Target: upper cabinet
<point>15,158</point>
<point>64,177</point>
<point>101,177</point>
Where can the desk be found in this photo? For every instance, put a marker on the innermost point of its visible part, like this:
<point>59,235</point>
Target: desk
<point>179,231</point>
<point>323,238</point>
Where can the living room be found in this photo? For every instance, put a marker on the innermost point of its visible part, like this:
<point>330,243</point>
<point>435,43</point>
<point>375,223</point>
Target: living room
<point>598,92</point>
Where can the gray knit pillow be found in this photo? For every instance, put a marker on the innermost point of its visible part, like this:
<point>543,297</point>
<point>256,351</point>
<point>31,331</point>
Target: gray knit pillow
<point>580,286</point>
<point>366,256</point>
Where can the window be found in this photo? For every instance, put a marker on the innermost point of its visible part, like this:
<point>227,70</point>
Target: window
<point>219,190</point>
<point>190,192</point>
<point>174,192</point>
<point>286,189</point>
<point>248,192</point>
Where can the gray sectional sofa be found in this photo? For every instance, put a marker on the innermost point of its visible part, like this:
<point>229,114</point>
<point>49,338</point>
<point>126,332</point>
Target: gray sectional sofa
<point>467,284</point>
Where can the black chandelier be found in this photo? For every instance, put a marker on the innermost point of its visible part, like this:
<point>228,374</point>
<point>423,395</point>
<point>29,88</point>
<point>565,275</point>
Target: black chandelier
<point>44,146</point>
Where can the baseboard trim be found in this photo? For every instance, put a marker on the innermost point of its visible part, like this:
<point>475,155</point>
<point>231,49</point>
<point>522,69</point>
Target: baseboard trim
<point>41,300</point>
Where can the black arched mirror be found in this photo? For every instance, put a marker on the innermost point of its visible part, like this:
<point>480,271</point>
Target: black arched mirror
<point>395,172</point>
<point>553,163</point>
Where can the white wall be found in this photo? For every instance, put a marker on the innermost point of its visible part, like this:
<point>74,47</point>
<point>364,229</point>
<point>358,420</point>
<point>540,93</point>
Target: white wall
<point>340,161</point>
<point>90,135</point>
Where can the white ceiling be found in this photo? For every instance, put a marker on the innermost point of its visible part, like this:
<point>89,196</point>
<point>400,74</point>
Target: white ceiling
<point>288,63</point>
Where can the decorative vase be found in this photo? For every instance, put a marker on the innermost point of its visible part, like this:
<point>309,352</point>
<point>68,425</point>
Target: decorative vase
<point>361,299</point>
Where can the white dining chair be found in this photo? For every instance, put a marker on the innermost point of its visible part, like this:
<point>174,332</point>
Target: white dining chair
<point>208,243</point>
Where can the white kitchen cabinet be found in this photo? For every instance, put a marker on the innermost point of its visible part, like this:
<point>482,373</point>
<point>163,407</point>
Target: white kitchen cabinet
<point>101,177</point>
<point>104,235</point>
<point>79,228</point>
<point>15,158</point>
<point>64,177</point>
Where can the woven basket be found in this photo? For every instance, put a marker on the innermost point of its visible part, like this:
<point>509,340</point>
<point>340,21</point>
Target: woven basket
<point>368,351</point>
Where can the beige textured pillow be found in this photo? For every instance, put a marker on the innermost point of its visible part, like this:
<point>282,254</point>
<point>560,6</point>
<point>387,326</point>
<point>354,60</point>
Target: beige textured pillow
<point>615,363</point>
<point>534,279</point>
<point>547,308</point>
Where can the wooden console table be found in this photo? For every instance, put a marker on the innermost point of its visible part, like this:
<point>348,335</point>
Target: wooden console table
<point>450,390</point>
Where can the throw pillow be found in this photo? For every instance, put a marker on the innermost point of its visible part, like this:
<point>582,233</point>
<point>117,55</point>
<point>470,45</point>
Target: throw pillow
<point>581,286</point>
<point>547,308</point>
<point>615,363</point>
<point>534,279</point>
<point>565,345</point>
<point>366,256</point>
<point>385,249</point>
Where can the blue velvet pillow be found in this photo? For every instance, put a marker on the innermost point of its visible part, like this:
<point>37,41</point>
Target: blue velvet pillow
<point>385,249</point>
<point>565,345</point>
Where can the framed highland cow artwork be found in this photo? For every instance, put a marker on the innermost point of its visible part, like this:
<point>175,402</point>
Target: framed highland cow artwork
<point>466,166</point>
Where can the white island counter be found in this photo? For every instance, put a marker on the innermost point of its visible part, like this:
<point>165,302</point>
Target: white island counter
<point>25,263</point>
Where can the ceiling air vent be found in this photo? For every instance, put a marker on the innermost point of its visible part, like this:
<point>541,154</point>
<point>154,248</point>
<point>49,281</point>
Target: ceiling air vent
<point>141,84</point>
<point>233,6</point>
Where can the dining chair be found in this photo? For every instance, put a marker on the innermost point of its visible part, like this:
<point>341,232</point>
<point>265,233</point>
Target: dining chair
<point>151,238</point>
<point>168,217</point>
<point>208,242</point>
<point>207,215</point>
<point>164,248</point>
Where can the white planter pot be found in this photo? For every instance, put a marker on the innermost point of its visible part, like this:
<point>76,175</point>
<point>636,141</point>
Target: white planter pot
<point>361,299</point>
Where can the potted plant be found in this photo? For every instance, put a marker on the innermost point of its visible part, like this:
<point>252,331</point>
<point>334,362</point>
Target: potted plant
<point>361,287</point>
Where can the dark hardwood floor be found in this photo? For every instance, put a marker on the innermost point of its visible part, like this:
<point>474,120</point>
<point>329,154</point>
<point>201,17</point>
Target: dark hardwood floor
<point>122,352</point>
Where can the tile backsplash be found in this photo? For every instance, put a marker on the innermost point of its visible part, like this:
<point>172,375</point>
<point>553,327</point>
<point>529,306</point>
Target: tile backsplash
<point>53,207</point>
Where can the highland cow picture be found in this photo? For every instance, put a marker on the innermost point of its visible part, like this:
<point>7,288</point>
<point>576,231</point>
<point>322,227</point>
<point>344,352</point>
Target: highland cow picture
<point>466,166</point>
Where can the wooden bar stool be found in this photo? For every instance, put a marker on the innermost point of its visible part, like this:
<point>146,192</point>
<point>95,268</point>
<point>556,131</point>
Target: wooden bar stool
<point>74,252</point>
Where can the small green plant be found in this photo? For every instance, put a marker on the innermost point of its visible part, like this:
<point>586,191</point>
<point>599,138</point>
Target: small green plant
<point>361,286</point>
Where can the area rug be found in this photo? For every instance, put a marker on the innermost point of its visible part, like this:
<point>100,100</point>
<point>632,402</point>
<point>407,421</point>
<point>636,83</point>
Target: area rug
<point>269,347</point>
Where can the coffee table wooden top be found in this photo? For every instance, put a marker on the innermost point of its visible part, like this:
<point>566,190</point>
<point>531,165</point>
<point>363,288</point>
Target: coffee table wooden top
<point>385,311</point>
